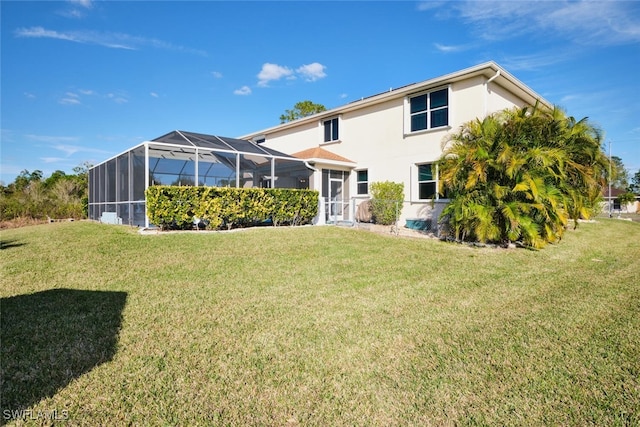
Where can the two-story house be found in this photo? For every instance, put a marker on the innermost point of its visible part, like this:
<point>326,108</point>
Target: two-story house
<point>393,136</point>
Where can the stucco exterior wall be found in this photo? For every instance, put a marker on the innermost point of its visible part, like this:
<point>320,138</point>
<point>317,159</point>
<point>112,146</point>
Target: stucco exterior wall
<point>375,136</point>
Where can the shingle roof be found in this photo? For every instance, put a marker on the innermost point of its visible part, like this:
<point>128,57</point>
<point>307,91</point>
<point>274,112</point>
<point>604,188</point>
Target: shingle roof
<point>320,153</point>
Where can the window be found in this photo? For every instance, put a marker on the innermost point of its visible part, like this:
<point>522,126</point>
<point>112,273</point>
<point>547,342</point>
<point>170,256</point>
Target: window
<point>363,181</point>
<point>429,110</point>
<point>330,130</point>
<point>426,182</point>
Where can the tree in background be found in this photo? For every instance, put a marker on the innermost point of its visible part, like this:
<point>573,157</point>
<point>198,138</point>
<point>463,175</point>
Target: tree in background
<point>635,183</point>
<point>619,174</point>
<point>301,109</point>
<point>520,175</point>
<point>58,196</point>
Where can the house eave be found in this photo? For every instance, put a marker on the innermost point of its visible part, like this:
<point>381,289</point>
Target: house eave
<point>327,162</point>
<point>487,69</point>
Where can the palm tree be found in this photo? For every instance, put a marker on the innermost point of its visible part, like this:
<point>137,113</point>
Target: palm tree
<point>520,174</point>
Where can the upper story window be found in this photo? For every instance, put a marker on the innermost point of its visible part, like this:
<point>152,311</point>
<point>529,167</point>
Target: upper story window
<point>363,181</point>
<point>429,110</point>
<point>331,130</point>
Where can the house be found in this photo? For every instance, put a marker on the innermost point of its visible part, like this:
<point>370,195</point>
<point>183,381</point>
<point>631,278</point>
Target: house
<point>611,204</point>
<point>393,136</point>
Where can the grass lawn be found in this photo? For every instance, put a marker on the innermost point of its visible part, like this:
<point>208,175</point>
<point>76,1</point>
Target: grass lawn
<point>317,326</point>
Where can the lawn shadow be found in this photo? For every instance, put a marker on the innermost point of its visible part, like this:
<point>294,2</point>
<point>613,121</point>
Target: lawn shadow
<point>50,338</point>
<point>7,244</point>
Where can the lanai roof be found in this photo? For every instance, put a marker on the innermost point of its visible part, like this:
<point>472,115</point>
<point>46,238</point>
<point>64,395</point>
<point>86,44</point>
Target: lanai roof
<point>213,142</point>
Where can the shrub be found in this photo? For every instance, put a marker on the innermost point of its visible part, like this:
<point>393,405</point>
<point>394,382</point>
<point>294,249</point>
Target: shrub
<point>172,207</point>
<point>386,201</point>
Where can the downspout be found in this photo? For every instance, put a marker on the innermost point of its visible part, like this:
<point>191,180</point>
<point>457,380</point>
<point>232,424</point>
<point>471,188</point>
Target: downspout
<point>486,93</point>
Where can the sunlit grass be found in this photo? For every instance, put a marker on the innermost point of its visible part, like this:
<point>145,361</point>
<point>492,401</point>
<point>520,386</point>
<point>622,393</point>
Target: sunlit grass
<point>333,326</point>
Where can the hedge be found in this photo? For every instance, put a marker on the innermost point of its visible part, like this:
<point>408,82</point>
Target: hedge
<point>171,207</point>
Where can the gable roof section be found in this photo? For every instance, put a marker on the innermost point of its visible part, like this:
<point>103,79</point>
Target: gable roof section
<point>320,155</point>
<point>490,70</point>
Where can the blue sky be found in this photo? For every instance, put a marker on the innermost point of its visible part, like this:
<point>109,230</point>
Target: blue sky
<point>84,80</point>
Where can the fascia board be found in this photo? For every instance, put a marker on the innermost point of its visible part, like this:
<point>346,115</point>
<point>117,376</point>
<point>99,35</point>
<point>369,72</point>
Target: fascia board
<point>321,161</point>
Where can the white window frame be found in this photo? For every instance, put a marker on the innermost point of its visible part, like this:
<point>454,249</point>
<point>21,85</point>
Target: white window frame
<point>408,115</point>
<point>321,125</point>
<point>358,182</point>
<point>434,174</point>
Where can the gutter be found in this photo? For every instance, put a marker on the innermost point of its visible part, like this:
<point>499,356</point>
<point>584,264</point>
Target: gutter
<point>307,164</point>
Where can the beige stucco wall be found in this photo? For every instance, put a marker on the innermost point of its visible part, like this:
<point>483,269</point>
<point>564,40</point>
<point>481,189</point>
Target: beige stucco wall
<point>374,138</point>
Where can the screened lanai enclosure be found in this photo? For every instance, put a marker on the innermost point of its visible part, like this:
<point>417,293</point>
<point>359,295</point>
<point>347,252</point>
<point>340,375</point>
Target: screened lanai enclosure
<point>117,186</point>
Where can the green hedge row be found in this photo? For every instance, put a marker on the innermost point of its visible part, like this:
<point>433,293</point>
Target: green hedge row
<point>172,207</point>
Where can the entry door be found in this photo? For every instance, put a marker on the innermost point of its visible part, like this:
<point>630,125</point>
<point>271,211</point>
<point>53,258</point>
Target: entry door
<point>335,193</point>
<point>335,199</point>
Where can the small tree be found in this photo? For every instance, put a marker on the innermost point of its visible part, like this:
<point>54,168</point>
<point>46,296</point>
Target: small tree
<point>386,201</point>
<point>625,198</point>
<point>301,109</point>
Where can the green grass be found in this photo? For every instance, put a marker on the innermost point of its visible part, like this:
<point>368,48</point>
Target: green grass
<point>318,326</point>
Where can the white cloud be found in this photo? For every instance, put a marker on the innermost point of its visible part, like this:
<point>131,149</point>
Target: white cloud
<point>87,4</point>
<point>29,95</point>
<point>450,48</point>
<point>155,95</point>
<point>70,100</point>
<point>216,74</point>
<point>312,72</point>
<point>568,98</point>
<point>53,159</point>
<point>51,139</point>
<point>105,39</point>
<point>428,5</point>
<point>271,72</point>
<point>77,8</point>
<point>583,22</point>
<point>118,99</point>
<point>39,32</point>
<point>76,97</point>
<point>70,150</point>
<point>244,90</point>
<point>534,61</point>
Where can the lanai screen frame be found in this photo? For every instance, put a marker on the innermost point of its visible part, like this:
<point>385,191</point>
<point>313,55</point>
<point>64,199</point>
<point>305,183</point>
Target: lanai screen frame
<point>118,184</point>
